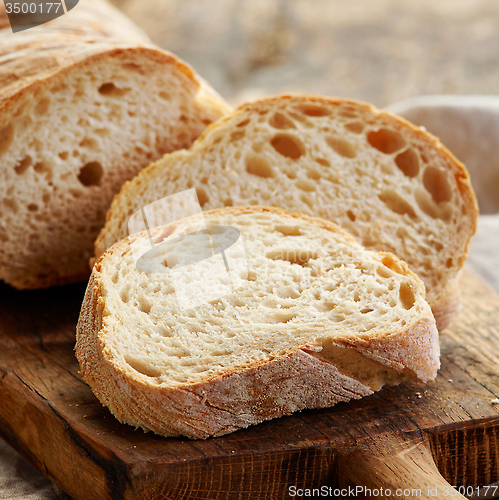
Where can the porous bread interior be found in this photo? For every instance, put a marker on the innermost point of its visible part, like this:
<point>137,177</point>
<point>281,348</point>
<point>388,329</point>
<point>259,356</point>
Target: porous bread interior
<point>71,143</point>
<point>392,186</point>
<point>307,286</point>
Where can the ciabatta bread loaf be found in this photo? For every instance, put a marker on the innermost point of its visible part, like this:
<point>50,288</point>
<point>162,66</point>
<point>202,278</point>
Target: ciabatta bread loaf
<point>390,184</point>
<point>86,101</point>
<point>314,319</point>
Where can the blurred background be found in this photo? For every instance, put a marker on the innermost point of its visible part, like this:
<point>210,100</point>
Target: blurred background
<point>381,51</point>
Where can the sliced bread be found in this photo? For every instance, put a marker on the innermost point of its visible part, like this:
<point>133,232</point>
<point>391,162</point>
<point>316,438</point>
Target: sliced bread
<point>392,185</point>
<point>313,319</point>
<point>86,101</point>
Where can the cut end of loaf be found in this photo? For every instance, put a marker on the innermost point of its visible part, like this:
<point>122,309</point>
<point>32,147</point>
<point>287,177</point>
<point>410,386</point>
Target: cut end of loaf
<point>305,324</point>
<point>70,141</point>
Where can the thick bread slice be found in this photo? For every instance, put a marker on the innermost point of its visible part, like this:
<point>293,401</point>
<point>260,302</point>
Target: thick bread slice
<point>86,101</point>
<point>318,319</point>
<point>390,184</point>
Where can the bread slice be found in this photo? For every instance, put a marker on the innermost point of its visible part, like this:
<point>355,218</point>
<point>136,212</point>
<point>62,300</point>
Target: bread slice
<point>86,101</point>
<point>390,184</point>
<point>314,319</point>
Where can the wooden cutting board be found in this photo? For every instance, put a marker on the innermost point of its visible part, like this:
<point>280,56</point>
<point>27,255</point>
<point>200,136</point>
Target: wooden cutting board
<point>404,437</point>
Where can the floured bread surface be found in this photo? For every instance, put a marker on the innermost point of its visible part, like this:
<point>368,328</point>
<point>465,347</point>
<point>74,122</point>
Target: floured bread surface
<point>390,184</point>
<point>313,319</point>
<point>86,111</point>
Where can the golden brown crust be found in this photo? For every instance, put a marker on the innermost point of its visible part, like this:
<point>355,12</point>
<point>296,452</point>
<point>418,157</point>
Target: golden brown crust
<point>303,377</point>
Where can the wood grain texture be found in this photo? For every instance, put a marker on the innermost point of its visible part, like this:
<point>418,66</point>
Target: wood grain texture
<point>388,440</point>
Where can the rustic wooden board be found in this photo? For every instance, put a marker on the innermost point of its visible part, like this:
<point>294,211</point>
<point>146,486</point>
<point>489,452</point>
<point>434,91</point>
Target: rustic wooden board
<point>395,438</point>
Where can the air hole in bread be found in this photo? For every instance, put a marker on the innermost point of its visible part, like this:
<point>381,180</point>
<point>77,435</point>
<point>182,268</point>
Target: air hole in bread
<point>236,135</point>
<point>356,127</point>
<point>302,119</point>
<point>366,310</point>
<point>228,202</point>
<point>291,174</point>
<point>323,162</point>
<point>109,89</point>
<point>437,184</point>
<point>407,296</point>
<point>42,167</point>
<point>11,204</point>
<point>46,197</point>
<point>284,317</point>
<point>287,292</point>
<point>125,294</point>
<point>75,193</point>
<point>408,163</point>
<point>426,204</point>
<point>280,121</point>
<point>251,276</point>
<point>144,306</point>
<point>306,199</point>
<point>351,215</point>
<point>391,264</point>
<point>134,67</point>
<point>437,246</point>
<point>337,318</point>
<point>23,165</point>
<point>396,203</point>
<point>102,131</point>
<point>384,272</point>
<point>288,230</point>
<point>64,155</point>
<point>342,147</point>
<point>243,123</point>
<point>385,140</point>
<point>312,110</point>
<point>91,174</point>
<point>6,137</point>
<point>32,207</point>
<point>300,257</point>
<point>76,153</point>
<point>143,367</point>
<point>43,106</point>
<point>202,196</point>
<point>305,185</point>
<point>165,95</point>
<point>258,165</point>
<point>288,145</point>
<point>313,174</point>
<point>89,143</point>
<point>449,262</point>
<point>347,112</point>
